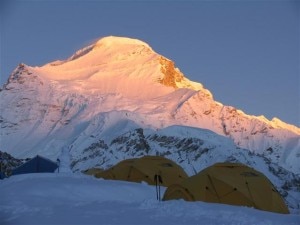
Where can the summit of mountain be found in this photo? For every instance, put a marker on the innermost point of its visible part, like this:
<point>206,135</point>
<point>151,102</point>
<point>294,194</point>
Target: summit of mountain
<point>118,65</point>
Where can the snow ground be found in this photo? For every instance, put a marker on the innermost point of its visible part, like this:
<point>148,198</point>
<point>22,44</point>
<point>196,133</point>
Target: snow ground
<point>66,198</point>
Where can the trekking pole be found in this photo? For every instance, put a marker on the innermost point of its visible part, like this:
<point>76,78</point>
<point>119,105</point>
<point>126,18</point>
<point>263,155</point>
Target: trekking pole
<point>159,192</point>
<point>156,187</point>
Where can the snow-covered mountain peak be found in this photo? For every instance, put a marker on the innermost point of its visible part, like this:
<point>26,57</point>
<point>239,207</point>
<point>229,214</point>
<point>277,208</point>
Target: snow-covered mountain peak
<point>110,44</point>
<point>118,65</point>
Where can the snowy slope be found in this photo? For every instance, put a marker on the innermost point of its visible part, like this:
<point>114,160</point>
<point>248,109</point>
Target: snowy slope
<point>77,199</point>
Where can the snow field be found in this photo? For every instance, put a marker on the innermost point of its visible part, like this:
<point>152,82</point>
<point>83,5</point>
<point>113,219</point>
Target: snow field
<point>67,198</point>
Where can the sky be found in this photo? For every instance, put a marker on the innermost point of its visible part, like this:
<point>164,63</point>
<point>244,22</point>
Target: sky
<point>245,52</point>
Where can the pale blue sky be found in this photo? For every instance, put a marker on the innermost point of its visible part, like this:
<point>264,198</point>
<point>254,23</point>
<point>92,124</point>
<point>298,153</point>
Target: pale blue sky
<point>245,52</point>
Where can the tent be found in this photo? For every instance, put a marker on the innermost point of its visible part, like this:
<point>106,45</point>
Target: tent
<point>92,171</point>
<point>146,169</point>
<point>38,164</point>
<point>229,183</point>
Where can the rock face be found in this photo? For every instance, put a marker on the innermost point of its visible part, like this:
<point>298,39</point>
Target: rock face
<point>172,75</point>
<point>8,163</point>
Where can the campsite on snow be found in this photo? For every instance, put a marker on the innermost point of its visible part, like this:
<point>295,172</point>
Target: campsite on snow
<point>116,134</point>
<point>146,190</point>
<point>68,198</point>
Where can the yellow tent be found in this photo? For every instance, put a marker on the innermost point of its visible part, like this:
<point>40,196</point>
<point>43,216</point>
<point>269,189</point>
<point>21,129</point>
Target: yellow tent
<point>229,183</point>
<point>145,169</point>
